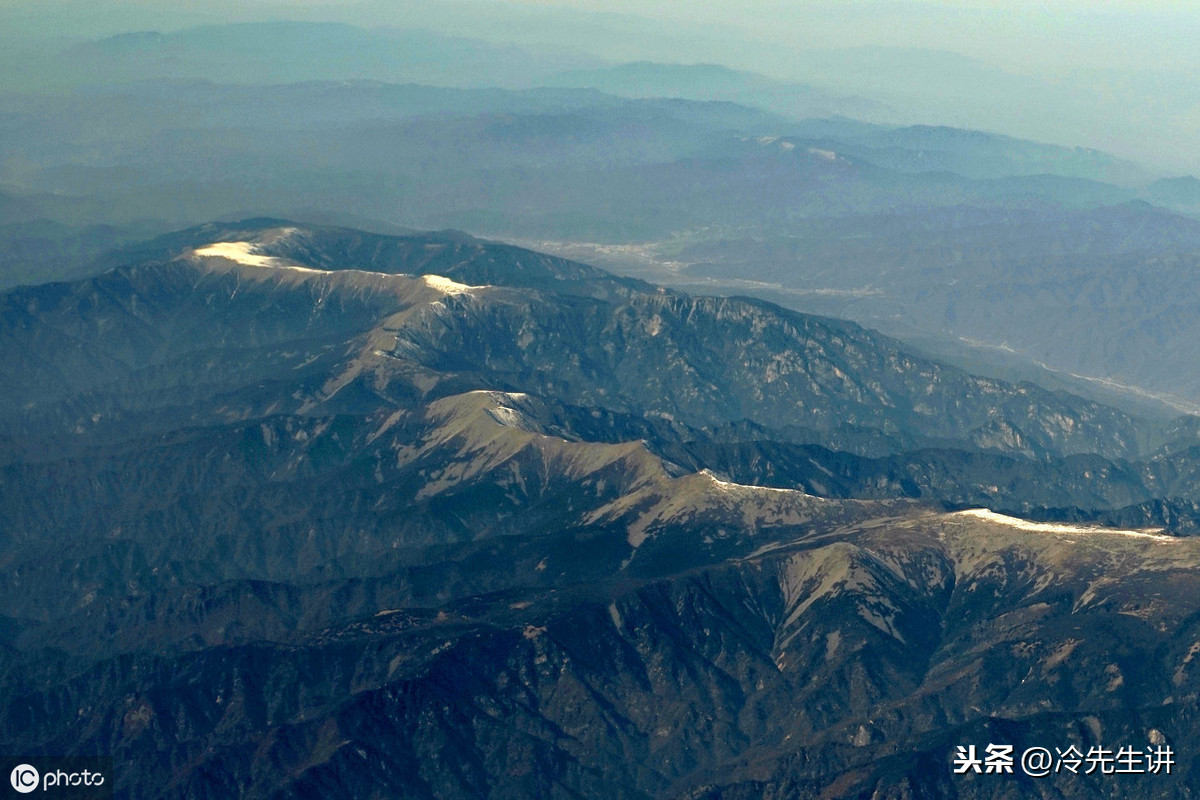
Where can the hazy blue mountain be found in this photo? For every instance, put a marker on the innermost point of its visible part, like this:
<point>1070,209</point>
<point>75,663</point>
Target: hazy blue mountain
<point>717,82</point>
<point>1183,191</point>
<point>120,154</point>
<point>610,170</point>
<point>291,52</point>
<point>972,153</point>
<point>543,163</point>
<point>943,87</point>
<point>916,148</point>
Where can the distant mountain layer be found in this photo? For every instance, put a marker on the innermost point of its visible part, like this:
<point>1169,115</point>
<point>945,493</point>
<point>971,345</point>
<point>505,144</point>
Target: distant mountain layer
<point>290,52</point>
<point>973,153</point>
<point>717,82</point>
<point>550,163</point>
<point>826,115</point>
<point>1181,191</point>
<point>286,509</point>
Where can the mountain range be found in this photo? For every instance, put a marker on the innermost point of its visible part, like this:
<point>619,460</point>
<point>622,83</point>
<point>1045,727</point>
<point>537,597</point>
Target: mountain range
<point>294,510</point>
<point>514,400</point>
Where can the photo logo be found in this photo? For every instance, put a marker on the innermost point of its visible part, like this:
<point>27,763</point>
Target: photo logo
<point>62,776</point>
<point>24,778</point>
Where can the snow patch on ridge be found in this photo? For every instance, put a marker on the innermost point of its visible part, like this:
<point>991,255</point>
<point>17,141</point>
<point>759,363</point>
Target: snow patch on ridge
<point>730,486</point>
<point>247,253</point>
<point>447,286</point>
<point>1054,527</point>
